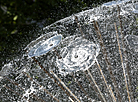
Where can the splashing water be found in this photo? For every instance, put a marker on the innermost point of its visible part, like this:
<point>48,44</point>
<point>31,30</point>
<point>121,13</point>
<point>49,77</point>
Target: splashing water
<point>43,46</point>
<point>114,3</point>
<point>65,79</point>
<point>132,41</point>
<point>135,9</point>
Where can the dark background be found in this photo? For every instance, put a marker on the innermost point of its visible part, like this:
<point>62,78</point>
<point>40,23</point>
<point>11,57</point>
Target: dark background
<point>21,21</point>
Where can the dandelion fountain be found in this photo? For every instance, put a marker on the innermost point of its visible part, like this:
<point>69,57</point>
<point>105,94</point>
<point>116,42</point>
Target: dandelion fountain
<point>90,56</point>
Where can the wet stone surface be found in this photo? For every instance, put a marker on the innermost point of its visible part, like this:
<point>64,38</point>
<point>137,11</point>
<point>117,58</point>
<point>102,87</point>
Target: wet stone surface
<point>77,55</point>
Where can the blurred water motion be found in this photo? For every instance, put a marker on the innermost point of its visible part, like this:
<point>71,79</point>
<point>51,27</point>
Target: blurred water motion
<point>45,46</point>
<point>115,3</point>
<point>79,53</point>
<point>135,9</point>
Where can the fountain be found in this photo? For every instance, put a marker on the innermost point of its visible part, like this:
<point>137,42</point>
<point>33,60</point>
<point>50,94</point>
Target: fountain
<point>90,56</point>
<point>78,55</point>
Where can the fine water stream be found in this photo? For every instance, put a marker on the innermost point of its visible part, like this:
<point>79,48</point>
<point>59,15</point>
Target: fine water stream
<point>91,56</point>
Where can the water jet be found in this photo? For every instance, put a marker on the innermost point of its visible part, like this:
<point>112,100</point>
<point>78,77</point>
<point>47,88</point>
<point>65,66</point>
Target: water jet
<point>49,79</point>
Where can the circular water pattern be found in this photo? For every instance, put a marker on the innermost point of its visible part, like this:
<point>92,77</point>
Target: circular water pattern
<point>45,46</point>
<point>79,55</point>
